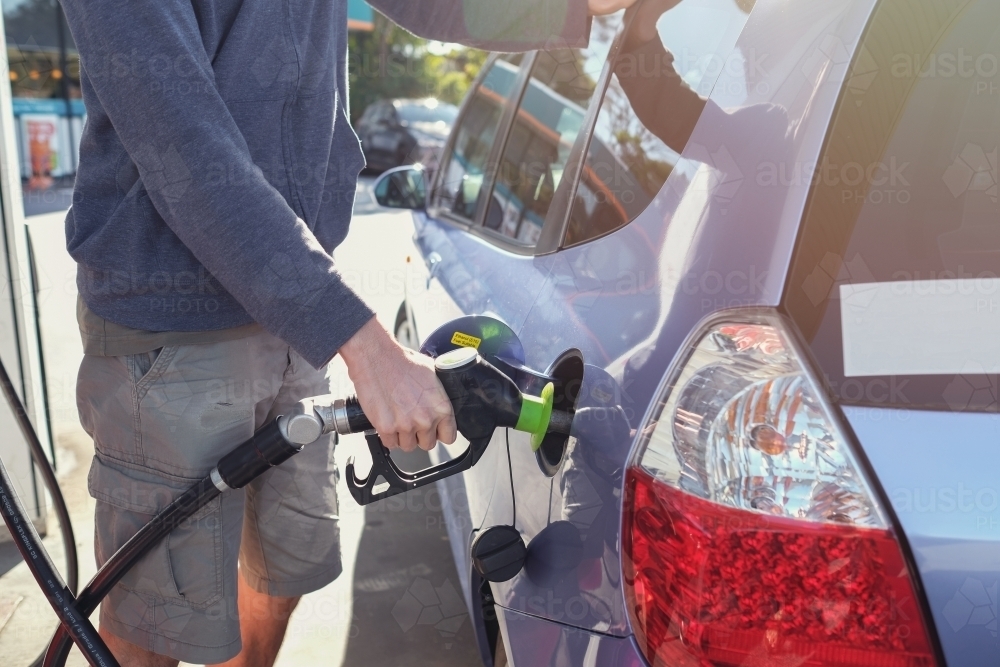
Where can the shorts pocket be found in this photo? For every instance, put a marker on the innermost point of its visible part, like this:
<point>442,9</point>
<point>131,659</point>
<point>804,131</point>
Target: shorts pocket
<point>186,567</point>
<point>194,552</point>
<point>146,367</point>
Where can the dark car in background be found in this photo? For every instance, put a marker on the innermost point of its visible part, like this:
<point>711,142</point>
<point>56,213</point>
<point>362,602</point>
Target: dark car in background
<point>404,131</point>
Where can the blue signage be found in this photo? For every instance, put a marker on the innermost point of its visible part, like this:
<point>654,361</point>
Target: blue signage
<point>26,105</point>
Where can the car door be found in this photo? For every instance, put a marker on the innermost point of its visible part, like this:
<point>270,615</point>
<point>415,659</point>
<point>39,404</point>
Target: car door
<point>601,297</point>
<point>517,119</point>
<point>364,124</point>
<point>444,281</point>
<point>441,287</point>
<point>367,127</point>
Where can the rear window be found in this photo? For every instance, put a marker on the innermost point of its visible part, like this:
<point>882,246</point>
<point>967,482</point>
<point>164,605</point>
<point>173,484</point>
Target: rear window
<point>895,279</point>
<point>653,100</point>
<point>549,119</point>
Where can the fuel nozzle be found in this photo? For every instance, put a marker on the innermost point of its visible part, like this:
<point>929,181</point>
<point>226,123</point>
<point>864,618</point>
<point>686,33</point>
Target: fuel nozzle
<point>484,398</point>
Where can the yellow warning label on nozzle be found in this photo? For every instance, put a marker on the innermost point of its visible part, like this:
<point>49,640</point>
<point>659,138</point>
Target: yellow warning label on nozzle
<point>465,340</point>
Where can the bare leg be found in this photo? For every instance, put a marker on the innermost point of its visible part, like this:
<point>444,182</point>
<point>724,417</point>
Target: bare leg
<point>263,621</point>
<point>130,654</point>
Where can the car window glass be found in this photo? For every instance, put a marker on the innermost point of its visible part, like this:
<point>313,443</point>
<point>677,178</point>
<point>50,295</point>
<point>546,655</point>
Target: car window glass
<point>464,169</point>
<point>896,278</point>
<point>549,118</point>
<point>656,94</point>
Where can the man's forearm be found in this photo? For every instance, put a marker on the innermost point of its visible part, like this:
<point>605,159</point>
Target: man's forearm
<point>660,98</point>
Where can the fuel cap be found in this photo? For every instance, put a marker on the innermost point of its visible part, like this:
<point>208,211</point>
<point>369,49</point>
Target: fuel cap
<point>498,553</point>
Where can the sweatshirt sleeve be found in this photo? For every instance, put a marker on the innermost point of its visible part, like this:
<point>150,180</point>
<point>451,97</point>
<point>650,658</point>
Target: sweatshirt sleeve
<point>494,25</point>
<point>242,231</point>
<point>651,84</point>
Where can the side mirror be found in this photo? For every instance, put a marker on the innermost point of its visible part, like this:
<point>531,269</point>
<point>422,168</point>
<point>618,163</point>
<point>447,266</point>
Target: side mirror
<point>402,187</point>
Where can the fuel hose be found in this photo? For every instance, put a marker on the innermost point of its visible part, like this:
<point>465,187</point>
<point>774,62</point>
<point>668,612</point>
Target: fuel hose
<point>57,592</point>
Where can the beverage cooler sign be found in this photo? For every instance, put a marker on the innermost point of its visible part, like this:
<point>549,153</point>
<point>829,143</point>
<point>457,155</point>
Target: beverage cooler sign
<point>40,134</point>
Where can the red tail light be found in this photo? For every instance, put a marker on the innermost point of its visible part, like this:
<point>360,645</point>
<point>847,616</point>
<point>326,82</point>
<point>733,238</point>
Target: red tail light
<point>751,536</point>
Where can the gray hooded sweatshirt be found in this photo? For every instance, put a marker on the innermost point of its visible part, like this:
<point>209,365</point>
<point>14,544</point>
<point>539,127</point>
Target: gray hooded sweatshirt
<point>218,166</point>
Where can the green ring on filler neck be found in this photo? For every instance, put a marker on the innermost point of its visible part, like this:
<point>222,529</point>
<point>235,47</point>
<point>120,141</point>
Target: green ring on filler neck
<point>536,412</point>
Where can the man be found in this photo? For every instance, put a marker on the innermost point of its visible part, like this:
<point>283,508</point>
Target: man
<point>217,174</point>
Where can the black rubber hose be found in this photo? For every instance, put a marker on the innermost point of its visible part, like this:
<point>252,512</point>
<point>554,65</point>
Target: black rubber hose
<point>267,448</point>
<point>127,556</point>
<point>264,450</point>
<point>48,476</point>
<point>76,624</point>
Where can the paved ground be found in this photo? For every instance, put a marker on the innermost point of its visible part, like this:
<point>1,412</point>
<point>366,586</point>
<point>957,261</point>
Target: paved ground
<point>398,601</point>
<point>408,608</point>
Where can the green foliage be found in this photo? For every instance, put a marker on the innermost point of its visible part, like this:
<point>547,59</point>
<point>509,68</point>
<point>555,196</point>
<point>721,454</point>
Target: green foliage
<point>649,172</point>
<point>390,62</point>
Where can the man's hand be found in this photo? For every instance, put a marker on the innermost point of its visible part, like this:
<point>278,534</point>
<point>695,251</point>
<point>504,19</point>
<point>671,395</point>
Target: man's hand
<point>398,390</point>
<point>602,7</point>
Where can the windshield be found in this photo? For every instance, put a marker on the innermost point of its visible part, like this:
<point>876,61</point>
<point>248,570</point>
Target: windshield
<point>430,112</point>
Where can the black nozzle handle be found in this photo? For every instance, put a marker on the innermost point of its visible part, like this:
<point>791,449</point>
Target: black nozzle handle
<point>482,398</point>
<point>386,479</point>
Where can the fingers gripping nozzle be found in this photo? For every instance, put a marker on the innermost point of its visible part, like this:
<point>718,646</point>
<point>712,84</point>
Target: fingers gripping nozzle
<point>482,398</point>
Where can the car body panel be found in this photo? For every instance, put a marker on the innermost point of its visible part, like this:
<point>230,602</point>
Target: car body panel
<point>715,237</point>
<point>530,640</point>
<point>472,276</point>
<point>468,276</point>
<point>720,234</point>
<point>945,491</point>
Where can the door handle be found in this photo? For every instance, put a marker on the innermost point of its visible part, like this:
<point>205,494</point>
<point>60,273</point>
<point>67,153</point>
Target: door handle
<point>433,266</point>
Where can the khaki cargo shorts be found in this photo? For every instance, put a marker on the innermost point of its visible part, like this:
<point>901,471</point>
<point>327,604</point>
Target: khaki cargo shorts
<point>160,421</point>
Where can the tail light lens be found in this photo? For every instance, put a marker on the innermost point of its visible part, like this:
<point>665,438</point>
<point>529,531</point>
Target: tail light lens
<point>751,535</point>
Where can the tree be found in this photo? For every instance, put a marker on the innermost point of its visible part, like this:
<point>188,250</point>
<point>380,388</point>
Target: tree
<point>390,62</point>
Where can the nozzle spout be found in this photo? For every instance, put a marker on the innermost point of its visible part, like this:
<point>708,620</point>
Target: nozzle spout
<point>560,422</point>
